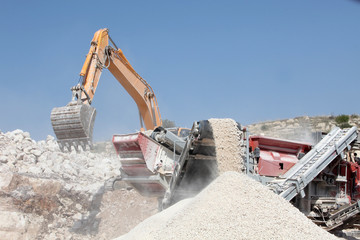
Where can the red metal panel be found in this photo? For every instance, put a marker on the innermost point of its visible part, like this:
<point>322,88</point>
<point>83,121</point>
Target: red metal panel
<point>279,145</point>
<point>149,149</point>
<point>277,156</point>
<point>124,143</point>
<point>138,154</point>
<point>274,163</point>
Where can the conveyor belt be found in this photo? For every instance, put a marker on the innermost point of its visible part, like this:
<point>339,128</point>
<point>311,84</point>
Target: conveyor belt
<point>302,173</point>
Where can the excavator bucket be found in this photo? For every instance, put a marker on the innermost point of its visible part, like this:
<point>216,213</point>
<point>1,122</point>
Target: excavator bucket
<point>73,125</point>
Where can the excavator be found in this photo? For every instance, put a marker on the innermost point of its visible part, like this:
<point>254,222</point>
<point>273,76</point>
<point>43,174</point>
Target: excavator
<point>73,124</point>
<point>172,164</point>
<point>148,158</point>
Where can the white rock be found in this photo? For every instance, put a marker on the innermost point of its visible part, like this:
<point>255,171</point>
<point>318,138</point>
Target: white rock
<point>18,138</point>
<point>67,176</point>
<point>12,150</point>
<point>50,138</point>
<point>10,135</point>
<point>11,235</point>
<point>29,158</point>
<point>26,135</point>
<point>5,177</point>
<point>17,131</point>
<point>77,216</point>
<point>53,147</point>
<point>28,149</point>
<point>52,236</point>
<point>41,143</point>
<point>94,188</point>
<point>78,206</point>
<point>70,170</point>
<point>290,121</point>
<point>56,168</point>
<point>85,172</point>
<point>106,161</point>
<point>91,155</point>
<point>91,164</point>
<point>36,152</point>
<point>19,147</point>
<point>55,157</point>
<point>34,170</point>
<point>48,171</point>
<point>68,187</point>
<point>12,159</point>
<point>66,201</point>
<point>12,222</point>
<point>3,159</point>
<point>43,157</point>
<point>5,152</point>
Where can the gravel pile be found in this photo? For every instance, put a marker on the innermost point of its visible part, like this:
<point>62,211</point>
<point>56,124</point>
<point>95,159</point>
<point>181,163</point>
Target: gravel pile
<point>232,207</point>
<point>229,145</point>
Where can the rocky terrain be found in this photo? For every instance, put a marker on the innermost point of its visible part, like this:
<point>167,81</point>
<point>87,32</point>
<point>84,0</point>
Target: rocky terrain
<point>303,128</point>
<point>48,194</point>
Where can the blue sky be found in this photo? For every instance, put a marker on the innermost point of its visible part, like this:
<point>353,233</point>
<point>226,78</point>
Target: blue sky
<point>252,60</point>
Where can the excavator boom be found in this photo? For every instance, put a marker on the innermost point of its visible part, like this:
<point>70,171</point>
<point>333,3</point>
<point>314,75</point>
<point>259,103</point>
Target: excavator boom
<point>73,124</point>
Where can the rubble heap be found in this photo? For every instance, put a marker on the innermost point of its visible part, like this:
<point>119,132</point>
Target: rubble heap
<point>48,194</point>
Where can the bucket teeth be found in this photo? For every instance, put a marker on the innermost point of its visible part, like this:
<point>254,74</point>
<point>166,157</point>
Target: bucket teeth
<point>78,144</point>
<point>73,126</point>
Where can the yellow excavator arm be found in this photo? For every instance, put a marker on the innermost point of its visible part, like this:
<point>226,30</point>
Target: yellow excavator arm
<point>102,55</point>
<point>73,124</point>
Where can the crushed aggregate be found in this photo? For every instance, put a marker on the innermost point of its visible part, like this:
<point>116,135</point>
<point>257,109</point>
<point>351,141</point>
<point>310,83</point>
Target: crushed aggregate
<point>234,206</point>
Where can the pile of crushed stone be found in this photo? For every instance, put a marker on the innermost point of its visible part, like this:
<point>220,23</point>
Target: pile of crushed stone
<point>233,206</point>
<point>229,144</point>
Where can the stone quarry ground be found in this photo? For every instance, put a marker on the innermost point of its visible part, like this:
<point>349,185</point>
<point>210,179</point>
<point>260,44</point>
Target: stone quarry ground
<point>47,194</point>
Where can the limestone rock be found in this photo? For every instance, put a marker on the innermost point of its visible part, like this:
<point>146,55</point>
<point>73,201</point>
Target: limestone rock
<point>12,222</point>
<point>3,159</point>
<point>29,158</point>
<point>36,152</point>
<point>5,177</point>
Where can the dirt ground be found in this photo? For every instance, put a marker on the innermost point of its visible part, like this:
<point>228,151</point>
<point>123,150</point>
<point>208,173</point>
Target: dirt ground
<point>121,210</point>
